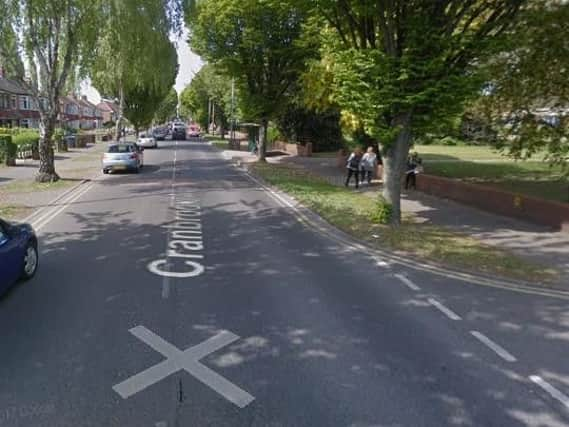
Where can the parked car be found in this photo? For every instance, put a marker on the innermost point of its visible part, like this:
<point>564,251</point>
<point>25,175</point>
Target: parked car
<point>146,141</point>
<point>160,133</point>
<point>123,156</point>
<point>178,131</point>
<point>194,131</point>
<point>19,258</point>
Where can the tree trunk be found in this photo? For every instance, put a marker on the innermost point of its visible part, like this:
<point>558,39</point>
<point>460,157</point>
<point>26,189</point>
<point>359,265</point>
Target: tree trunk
<point>394,161</point>
<point>262,151</point>
<point>118,127</point>
<point>46,172</point>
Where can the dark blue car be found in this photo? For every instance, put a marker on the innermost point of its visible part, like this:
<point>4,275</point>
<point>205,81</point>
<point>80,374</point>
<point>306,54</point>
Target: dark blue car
<point>18,254</point>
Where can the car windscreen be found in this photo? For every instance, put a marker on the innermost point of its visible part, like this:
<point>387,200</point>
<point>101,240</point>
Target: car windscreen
<point>121,149</point>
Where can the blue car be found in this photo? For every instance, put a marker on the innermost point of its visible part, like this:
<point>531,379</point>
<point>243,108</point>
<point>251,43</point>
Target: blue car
<point>18,254</point>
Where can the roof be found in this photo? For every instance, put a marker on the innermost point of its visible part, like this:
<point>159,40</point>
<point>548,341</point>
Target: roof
<point>108,106</point>
<point>11,86</point>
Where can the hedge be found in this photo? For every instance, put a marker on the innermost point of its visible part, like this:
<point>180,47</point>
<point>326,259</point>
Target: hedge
<point>8,150</point>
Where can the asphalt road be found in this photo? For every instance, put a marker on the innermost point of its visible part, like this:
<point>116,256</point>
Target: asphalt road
<point>282,326</point>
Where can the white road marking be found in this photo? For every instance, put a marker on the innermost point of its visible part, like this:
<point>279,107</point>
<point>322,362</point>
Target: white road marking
<point>553,392</point>
<point>161,424</point>
<point>499,350</point>
<point>166,279</point>
<point>42,221</point>
<point>408,282</point>
<point>188,361</point>
<point>447,311</point>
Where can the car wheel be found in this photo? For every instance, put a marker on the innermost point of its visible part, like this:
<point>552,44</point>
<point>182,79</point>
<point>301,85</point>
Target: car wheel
<point>31,261</point>
<point>105,171</point>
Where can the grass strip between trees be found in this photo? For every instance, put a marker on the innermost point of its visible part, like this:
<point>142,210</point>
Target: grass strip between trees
<point>351,212</point>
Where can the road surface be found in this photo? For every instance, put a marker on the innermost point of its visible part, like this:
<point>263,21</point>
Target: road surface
<point>187,295</point>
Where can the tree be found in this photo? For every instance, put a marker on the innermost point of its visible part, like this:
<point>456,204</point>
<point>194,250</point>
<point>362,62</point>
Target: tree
<point>401,66</point>
<point>254,41</point>
<point>42,42</point>
<point>208,92</point>
<point>135,59</point>
<point>527,99</point>
<point>167,108</point>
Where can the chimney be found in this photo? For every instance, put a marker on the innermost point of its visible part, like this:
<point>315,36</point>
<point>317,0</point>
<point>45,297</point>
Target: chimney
<point>84,97</point>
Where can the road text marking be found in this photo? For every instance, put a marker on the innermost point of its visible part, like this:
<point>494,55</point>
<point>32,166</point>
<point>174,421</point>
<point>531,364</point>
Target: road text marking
<point>499,350</point>
<point>188,360</point>
<point>556,394</point>
<point>408,282</point>
<point>447,311</point>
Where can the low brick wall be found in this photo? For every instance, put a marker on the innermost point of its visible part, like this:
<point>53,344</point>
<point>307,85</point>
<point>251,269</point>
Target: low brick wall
<point>294,149</point>
<point>505,203</point>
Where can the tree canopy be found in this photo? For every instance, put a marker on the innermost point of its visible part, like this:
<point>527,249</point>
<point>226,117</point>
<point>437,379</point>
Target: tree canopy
<point>254,41</point>
<point>402,66</point>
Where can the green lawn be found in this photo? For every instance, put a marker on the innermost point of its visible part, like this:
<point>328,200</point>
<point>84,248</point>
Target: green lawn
<point>351,212</point>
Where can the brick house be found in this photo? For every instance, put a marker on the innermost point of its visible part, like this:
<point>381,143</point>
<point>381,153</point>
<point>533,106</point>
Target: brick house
<point>17,107</point>
<point>109,109</point>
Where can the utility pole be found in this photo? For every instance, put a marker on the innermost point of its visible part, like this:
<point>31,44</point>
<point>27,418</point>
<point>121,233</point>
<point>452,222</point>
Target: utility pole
<point>208,115</point>
<point>232,137</point>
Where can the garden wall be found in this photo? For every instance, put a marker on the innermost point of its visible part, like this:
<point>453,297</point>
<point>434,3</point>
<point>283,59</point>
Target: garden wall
<point>294,149</point>
<point>539,211</point>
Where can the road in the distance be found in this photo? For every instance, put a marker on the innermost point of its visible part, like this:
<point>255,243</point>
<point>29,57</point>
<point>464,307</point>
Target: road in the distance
<point>315,334</point>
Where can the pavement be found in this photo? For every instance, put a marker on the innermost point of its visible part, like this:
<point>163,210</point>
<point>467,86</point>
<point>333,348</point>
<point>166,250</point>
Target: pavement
<point>73,167</point>
<point>532,242</point>
<point>189,295</point>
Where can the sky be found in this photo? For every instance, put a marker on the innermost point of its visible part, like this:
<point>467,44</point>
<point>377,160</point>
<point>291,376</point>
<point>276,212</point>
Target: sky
<point>189,63</point>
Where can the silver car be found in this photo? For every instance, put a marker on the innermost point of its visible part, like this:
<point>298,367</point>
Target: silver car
<point>147,141</point>
<point>123,156</point>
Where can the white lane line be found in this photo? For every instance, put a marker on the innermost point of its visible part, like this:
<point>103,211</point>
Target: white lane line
<point>447,311</point>
<point>553,392</point>
<point>408,282</point>
<point>39,224</point>
<point>496,348</point>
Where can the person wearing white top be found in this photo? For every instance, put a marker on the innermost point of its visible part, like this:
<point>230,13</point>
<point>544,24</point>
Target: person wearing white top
<point>368,165</point>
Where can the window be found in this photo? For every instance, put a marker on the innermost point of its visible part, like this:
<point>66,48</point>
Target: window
<point>25,123</point>
<point>25,102</point>
<point>4,101</point>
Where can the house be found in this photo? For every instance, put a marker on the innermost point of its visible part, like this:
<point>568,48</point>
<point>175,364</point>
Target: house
<point>17,107</point>
<point>69,112</point>
<point>109,109</point>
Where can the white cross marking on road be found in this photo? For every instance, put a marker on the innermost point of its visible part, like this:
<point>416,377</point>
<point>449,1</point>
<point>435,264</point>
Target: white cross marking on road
<point>188,360</point>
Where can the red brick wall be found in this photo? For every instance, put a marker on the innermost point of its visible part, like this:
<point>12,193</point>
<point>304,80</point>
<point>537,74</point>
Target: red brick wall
<point>527,208</point>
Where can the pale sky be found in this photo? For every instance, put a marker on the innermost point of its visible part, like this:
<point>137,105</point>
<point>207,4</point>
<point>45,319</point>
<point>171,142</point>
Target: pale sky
<point>189,63</point>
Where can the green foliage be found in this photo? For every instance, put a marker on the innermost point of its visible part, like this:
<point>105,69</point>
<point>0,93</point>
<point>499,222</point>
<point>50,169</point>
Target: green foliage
<point>210,87</point>
<point>382,211</point>
<point>134,58</point>
<point>167,108</point>
<point>301,125</point>
<point>254,41</point>
<point>8,149</point>
<point>26,138</point>
<point>530,80</point>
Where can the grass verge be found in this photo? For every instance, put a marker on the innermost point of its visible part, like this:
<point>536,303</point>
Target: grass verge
<point>350,211</point>
<point>31,186</point>
<point>14,212</point>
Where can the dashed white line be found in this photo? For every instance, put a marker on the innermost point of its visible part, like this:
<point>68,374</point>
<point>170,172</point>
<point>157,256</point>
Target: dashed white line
<point>408,282</point>
<point>552,391</point>
<point>496,348</point>
<point>447,311</point>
